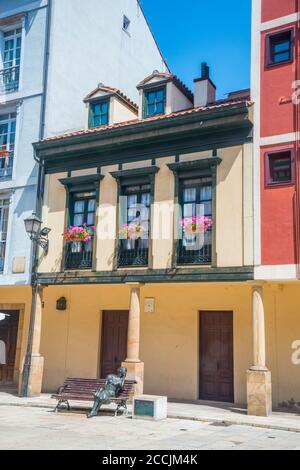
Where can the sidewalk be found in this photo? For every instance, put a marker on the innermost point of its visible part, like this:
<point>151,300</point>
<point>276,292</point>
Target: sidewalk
<point>218,413</point>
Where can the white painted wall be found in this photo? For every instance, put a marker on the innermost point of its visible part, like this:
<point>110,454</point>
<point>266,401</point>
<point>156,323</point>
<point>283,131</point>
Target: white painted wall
<point>87,46</point>
<point>85,53</point>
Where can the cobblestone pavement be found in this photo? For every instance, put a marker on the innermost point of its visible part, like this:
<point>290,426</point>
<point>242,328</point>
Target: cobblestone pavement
<point>40,428</point>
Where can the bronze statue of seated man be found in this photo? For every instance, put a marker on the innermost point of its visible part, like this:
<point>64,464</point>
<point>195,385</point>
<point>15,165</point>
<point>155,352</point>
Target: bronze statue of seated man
<point>112,389</point>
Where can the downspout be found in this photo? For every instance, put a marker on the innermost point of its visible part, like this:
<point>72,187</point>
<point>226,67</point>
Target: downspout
<point>38,210</point>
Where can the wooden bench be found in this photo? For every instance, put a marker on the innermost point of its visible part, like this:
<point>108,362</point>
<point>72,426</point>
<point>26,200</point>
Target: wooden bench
<point>85,389</point>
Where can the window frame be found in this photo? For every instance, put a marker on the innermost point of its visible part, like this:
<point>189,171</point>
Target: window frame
<point>184,184</point>
<point>79,184</point>
<point>269,63</point>
<point>10,145</point>
<point>92,115</point>
<point>5,206</point>
<point>269,182</point>
<point>145,102</point>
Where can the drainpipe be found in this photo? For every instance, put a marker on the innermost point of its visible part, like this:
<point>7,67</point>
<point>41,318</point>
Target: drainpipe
<point>38,209</point>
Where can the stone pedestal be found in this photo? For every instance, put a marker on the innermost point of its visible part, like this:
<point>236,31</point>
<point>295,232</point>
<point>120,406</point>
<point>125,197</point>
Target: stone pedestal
<point>135,371</point>
<point>259,392</point>
<point>135,368</point>
<point>150,407</point>
<point>36,375</point>
<point>32,373</point>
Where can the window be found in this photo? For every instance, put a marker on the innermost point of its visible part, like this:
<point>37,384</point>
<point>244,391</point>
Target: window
<point>7,143</point>
<point>154,102</point>
<point>4,207</point>
<point>99,114</point>
<point>126,23</point>
<point>279,48</point>
<point>9,78</point>
<point>134,217</point>
<point>196,202</point>
<point>82,209</point>
<point>279,168</point>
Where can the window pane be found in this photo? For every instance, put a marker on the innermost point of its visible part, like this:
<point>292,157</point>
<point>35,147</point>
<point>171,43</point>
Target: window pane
<point>205,193</point>
<point>78,206</point>
<point>189,210</point>
<point>78,219</point>
<point>90,218</point>
<point>282,57</point>
<point>282,47</point>
<point>145,199</point>
<point>91,205</point>
<point>189,195</point>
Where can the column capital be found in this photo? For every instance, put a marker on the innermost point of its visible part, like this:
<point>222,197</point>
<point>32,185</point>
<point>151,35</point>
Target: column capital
<point>136,285</point>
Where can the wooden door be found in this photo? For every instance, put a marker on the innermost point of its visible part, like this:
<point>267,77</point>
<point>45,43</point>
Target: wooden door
<point>216,356</point>
<point>114,340</point>
<point>8,344</point>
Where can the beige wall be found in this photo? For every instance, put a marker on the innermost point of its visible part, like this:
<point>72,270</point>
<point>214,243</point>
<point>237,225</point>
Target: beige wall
<point>170,336</point>
<point>234,211</point>
<point>18,298</point>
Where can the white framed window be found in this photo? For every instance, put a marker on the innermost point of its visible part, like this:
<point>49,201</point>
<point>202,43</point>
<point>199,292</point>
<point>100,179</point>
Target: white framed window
<point>4,208</point>
<point>7,143</point>
<point>11,58</point>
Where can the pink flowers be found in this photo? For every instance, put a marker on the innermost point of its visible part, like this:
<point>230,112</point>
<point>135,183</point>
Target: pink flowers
<point>132,231</point>
<point>78,234</point>
<point>194,225</point>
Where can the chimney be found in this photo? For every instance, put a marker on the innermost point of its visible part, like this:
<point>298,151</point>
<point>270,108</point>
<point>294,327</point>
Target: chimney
<point>205,90</point>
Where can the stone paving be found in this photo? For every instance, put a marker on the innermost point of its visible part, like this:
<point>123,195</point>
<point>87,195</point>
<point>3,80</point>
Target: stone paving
<point>23,427</point>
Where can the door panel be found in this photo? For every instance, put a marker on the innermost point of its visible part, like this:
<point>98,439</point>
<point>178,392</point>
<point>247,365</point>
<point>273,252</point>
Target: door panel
<point>114,340</point>
<point>8,345</point>
<point>216,356</point>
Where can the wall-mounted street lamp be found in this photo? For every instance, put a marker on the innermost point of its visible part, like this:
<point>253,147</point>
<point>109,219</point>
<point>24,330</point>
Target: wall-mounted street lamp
<point>36,234</point>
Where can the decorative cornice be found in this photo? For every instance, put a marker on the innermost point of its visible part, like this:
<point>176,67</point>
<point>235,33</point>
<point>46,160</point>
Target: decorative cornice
<point>194,165</point>
<point>79,182</point>
<point>135,173</point>
<point>155,276</point>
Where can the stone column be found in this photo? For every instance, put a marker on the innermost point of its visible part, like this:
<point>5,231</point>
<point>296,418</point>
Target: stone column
<point>135,368</point>
<point>34,362</point>
<point>259,385</point>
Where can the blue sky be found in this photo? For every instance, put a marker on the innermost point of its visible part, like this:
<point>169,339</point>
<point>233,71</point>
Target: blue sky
<point>214,31</point>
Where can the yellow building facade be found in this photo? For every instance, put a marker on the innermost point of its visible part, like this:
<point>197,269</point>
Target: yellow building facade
<point>182,313</point>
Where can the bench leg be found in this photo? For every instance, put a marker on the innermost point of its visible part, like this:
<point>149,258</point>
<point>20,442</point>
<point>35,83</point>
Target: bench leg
<point>59,403</point>
<point>123,404</point>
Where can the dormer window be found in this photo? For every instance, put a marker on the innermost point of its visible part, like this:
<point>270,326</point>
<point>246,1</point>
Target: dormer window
<point>99,114</point>
<point>154,102</point>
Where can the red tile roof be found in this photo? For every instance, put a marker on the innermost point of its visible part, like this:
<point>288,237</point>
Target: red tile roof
<point>168,76</point>
<point>161,117</point>
<point>115,91</point>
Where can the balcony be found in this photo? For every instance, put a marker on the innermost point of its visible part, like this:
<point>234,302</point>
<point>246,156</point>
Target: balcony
<point>9,79</point>
<point>79,255</point>
<point>202,256</point>
<point>133,253</point>
<point>6,164</point>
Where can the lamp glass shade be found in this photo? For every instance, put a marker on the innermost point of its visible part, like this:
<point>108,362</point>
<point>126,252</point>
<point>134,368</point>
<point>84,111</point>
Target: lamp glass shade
<point>32,225</point>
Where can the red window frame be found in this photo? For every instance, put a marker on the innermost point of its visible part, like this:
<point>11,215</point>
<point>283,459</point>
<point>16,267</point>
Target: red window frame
<point>268,59</point>
<point>269,181</point>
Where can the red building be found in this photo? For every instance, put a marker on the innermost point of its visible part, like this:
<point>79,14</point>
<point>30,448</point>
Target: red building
<point>275,91</point>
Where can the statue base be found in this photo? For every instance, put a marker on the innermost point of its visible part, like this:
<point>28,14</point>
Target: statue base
<point>135,371</point>
<point>259,392</point>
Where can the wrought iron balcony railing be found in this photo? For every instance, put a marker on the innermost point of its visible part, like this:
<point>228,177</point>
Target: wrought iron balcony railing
<point>9,79</point>
<point>79,255</point>
<point>134,255</point>
<point>190,256</point>
<point>6,164</point>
